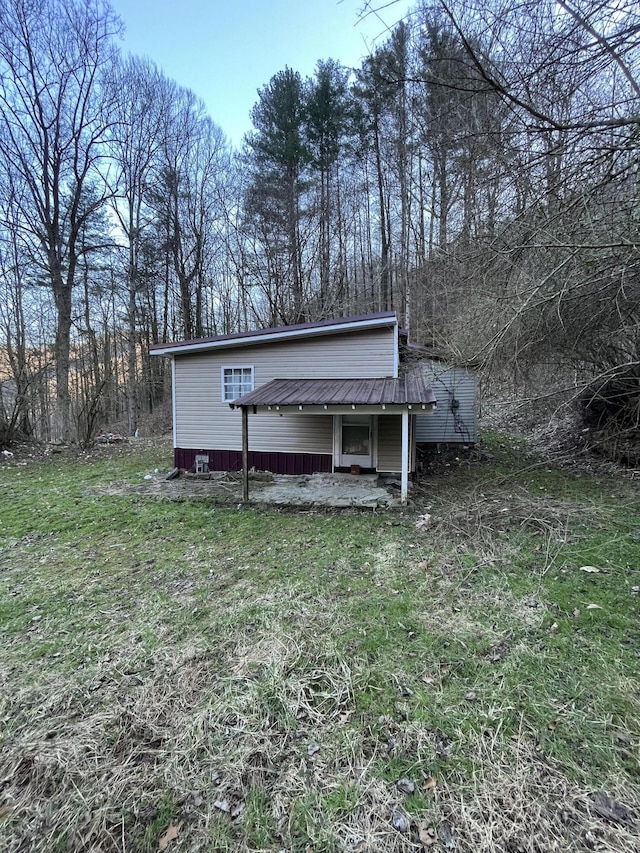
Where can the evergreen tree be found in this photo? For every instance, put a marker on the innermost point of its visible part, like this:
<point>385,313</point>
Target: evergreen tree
<point>279,158</point>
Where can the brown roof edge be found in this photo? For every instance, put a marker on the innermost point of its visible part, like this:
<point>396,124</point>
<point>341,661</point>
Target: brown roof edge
<point>273,330</point>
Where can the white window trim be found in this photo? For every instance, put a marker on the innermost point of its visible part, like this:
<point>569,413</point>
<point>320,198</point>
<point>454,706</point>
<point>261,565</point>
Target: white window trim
<point>235,367</point>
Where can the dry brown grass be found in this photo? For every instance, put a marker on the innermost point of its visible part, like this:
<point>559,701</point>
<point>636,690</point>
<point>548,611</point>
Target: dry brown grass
<point>522,803</point>
<point>92,756</point>
<point>481,513</point>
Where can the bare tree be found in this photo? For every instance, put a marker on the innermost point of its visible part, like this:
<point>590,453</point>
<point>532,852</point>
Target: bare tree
<point>53,121</point>
<point>141,98</point>
<point>19,341</point>
<point>194,157</point>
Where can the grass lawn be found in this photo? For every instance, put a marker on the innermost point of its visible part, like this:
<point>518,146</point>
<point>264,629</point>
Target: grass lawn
<point>193,676</point>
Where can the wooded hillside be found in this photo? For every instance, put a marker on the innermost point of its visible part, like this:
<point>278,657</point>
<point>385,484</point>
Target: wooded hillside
<point>478,174</point>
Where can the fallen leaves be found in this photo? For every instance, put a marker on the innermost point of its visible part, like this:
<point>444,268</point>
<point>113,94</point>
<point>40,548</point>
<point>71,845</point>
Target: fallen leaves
<point>400,822</point>
<point>170,835</point>
<point>427,836</point>
<point>447,837</point>
<point>442,747</point>
<point>498,653</point>
<point>232,811</point>
<point>405,786</point>
<point>237,810</point>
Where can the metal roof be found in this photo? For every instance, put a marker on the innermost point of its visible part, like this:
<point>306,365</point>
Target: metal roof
<point>338,324</point>
<point>411,389</point>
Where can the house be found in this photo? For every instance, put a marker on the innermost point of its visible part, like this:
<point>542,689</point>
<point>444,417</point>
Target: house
<point>314,397</point>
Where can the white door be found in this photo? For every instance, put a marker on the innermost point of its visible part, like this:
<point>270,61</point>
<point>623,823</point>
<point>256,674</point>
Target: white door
<point>355,441</point>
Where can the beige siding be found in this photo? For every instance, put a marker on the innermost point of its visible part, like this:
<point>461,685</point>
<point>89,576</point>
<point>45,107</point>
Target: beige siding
<point>204,421</point>
<point>389,442</point>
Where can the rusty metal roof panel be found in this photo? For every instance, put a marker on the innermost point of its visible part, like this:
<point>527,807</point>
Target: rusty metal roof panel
<point>409,389</point>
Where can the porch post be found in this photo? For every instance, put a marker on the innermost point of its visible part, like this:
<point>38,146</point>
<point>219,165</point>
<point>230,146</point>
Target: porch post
<point>404,479</point>
<point>245,454</point>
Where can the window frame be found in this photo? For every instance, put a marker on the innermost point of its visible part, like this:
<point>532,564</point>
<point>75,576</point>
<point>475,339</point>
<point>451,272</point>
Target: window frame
<point>226,384</point>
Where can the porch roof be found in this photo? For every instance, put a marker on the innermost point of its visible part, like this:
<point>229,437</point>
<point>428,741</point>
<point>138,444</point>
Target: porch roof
<point>407,390</point>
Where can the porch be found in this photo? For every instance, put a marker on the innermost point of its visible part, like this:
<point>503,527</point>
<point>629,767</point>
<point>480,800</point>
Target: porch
<point>360,408</point>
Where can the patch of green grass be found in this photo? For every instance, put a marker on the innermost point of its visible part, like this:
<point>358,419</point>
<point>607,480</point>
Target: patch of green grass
<point>160,820</point>
<point>258,821</point>
<point>311,822</point>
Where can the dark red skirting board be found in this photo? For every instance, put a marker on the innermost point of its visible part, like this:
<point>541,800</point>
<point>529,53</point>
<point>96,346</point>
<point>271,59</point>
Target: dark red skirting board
<point>277,463</point>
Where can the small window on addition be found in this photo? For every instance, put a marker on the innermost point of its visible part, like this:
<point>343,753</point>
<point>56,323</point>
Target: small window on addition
<point>236,381</point>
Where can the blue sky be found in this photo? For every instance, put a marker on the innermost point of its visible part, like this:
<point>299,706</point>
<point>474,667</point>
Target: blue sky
<point>226,49</point>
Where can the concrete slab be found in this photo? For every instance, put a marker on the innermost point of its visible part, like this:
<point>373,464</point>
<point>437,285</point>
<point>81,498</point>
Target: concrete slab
<point>338,490</point>
<point>320,490</point>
